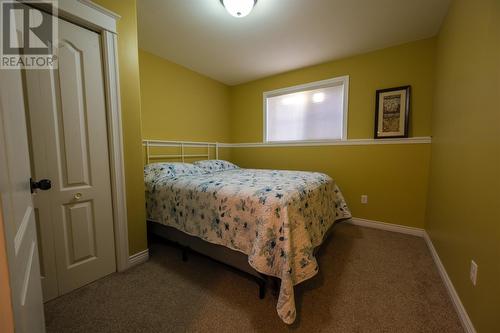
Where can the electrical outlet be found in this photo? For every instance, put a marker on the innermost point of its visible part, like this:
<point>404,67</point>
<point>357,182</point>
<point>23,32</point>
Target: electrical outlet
<point>364,199</point>
<point>473,272</point>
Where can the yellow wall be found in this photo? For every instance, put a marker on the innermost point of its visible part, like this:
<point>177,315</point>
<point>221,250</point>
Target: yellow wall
<point>131,119</point>
<point>396,188</point>
<point>464,197</point>
<point>411,63</point>
<point>179,104</point>
<point>395,177</point>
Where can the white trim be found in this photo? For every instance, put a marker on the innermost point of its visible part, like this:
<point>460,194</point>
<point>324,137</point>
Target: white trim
<point>308,86</point>
<point>457,303</point>
<point>387,226</point>
<point>85,13</point>
<point>350,142</point>
<point>345,106</point>
<point>138,258</point>
<point>336,81</point>
<point>116,160</point>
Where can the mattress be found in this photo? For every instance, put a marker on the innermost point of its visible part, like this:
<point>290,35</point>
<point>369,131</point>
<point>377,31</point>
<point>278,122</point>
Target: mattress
<point>275,217</point>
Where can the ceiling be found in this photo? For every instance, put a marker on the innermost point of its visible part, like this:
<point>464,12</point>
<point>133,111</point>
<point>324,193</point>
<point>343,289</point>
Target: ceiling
<point>279,35</point>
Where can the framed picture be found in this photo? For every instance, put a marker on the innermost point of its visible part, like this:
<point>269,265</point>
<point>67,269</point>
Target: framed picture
<point>392,110</point>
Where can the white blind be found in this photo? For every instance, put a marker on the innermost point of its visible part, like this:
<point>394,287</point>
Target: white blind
<point>315,114</point>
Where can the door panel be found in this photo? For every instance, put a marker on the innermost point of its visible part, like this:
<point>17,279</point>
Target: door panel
<point>72,116</point>
<point>80,234</point>
<point>70,147</point>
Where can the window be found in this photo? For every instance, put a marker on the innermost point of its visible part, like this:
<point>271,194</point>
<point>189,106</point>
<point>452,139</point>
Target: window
<point>311,112</point>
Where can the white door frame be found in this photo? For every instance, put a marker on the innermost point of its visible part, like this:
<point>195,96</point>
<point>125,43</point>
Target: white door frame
<point>92,16</point>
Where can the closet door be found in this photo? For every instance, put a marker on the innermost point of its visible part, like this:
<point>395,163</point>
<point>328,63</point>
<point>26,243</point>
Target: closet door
<point>69,144</point>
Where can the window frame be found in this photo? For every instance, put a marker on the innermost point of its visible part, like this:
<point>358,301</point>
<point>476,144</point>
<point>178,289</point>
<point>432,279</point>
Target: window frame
<point>336,81</point>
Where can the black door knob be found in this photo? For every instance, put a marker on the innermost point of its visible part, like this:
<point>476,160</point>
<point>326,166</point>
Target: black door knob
<point>44,185</point>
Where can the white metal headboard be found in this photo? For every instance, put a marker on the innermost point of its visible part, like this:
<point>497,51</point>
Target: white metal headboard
<point>181,145</point>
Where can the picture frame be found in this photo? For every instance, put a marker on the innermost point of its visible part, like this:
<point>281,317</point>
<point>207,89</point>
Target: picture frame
<point>392,112</point>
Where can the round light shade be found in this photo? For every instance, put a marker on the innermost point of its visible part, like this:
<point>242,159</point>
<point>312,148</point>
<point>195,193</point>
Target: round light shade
<point>238,8</point>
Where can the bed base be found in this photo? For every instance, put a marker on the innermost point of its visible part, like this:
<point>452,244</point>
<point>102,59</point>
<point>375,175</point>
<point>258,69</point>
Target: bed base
<point>234,259</point>
<point>224,255</point>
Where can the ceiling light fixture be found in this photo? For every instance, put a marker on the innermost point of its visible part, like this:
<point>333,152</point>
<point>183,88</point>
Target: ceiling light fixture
<point>238,8</point>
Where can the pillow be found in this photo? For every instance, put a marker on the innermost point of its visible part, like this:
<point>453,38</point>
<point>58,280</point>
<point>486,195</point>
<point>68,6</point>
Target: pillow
<point>155,171</point>
<point>215,165</point>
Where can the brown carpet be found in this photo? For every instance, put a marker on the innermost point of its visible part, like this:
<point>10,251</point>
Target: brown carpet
<point>369,281</point>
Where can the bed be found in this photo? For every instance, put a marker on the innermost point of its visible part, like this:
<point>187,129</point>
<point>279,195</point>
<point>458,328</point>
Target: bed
<point>274,219</point>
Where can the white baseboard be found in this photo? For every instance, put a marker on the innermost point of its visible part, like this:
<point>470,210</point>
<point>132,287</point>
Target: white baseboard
<point>387,226</point>
<point>455,299</point>
<point>457,303</point>
<point>138,258</point>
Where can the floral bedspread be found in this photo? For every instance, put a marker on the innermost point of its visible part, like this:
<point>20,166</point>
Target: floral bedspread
<point>277,218</point>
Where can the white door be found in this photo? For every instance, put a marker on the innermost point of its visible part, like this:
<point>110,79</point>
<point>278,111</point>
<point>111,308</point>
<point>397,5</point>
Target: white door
<point>70,147</point>
<point>17,205</point>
